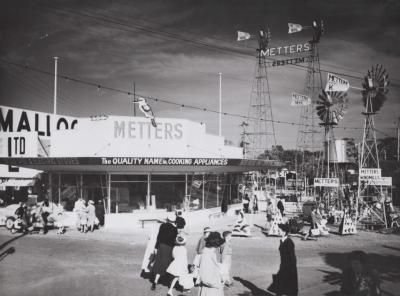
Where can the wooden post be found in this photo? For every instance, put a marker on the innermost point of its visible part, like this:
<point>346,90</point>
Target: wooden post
<point>59,187</point>
<point>109,193</point>
<point>202,192</point>
<point>148,191</point>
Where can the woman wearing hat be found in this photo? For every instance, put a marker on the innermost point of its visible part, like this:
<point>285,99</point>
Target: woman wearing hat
<point>91,215</point>
<point>179,266</point>
<point>165,242</point>
<point>285,282</point>
<point>211,281</point>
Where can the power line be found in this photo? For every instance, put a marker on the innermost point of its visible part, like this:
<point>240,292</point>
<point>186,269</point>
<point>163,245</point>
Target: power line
<point>161,100</point>
<point>194,42</point>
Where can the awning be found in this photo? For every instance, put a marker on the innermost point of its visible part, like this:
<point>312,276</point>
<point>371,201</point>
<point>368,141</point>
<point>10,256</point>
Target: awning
<point>17,182</point>
<point>142,164</point>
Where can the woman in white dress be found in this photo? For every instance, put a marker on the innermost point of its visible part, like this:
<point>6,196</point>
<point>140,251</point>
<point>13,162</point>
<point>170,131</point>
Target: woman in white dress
<point>179,266</point>
<point>211,281</point>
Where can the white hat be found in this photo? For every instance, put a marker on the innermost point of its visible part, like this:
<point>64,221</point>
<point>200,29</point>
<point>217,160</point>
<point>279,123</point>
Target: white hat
<point>91,202</point>
<point>171,217</point>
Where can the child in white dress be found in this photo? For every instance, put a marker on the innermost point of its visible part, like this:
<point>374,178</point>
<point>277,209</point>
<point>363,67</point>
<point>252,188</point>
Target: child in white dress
<point>179,266</point>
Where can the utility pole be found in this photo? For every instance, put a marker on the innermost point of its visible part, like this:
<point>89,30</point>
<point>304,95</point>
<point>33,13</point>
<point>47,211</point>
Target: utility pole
<point>398,139</point>
<point>220,102</point>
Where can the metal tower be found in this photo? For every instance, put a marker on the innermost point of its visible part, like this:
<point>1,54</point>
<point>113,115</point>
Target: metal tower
<point>374,94</point>
<point>261,133</point>
<point>309,131</point>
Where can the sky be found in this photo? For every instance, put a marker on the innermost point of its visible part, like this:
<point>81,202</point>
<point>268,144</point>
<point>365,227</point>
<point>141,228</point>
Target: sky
<point>175,49</point>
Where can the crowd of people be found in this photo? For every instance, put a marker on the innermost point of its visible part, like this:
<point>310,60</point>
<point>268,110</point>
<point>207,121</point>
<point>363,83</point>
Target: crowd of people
<point>166,259</point>
<point>38,216</point>
<point>86,219</point>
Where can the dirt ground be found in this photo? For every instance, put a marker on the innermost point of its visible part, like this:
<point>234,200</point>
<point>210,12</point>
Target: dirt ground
<point>105,263</point>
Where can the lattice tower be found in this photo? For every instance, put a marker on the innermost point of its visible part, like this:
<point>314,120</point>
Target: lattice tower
<point>261,135</point>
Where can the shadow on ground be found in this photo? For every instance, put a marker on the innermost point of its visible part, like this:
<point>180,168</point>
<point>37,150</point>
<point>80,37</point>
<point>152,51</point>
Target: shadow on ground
<point>388,267</point>
<point>254,290</point>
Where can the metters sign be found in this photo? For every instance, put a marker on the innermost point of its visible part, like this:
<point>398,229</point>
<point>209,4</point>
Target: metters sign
<point>287,49</point>
<point>132,129</point>
<point>18,120</point>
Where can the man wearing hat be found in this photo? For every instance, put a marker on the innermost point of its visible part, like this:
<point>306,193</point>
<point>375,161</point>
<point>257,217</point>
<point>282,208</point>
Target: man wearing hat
<point>165,242</point>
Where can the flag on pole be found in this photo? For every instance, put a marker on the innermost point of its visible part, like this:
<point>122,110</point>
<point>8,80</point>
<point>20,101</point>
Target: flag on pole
<point>243,36</point>
<point>293,28</point>
<point>336,83</point>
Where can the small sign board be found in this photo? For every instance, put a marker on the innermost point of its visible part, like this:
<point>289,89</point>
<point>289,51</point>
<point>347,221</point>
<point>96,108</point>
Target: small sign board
<point>300,100</point>
<point>377,181</point>
<point>336,83</point>
<point>326,182</point>
<point>370,172</point>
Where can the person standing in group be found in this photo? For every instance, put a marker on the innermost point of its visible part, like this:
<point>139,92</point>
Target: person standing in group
<point>179,266</point>
<point>180,221</point>
<point>92,220</point>
<point>285,282</point>
<point>226,254</point>
<point>211,281</point>
<point>255,204</point>
<point>246,203</point>
<point>280,206</point>
<point>165,242</point>
<point>79,208</point>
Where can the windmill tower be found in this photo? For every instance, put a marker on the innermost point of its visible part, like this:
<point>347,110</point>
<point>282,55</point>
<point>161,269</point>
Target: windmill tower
<point>261,128</point>
<point>331,107</point>
<point>309,132</point>
<point>373,95</point>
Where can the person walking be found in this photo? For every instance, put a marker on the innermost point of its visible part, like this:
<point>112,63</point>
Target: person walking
<point>226,254</point>
<point>211,282</point>
<point>285,282</point>
<point>165,242</point>
<point>255,204</point>
<point>79,208</point>
<point>179,266</point>
<point>199,250</point>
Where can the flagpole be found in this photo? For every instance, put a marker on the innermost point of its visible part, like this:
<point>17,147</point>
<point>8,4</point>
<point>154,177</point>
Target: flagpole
<point>55,86</point>
<point>220,102</point>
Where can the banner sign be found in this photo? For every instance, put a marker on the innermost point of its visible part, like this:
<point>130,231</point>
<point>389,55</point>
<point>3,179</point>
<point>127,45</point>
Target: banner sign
<point>370,172</point>
<point>336,83</point>
<point>326,182</point>
<point>287,49</point>
<point>291,61</point>
<point>377,180</point>
<point>300,100</point>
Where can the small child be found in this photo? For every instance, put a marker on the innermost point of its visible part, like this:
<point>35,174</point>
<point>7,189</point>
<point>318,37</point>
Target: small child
<point>226,252</point>
<point>180,221</point>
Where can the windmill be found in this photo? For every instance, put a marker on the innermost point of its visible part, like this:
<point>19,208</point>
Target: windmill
<point>373,96</point>
<point>331,107</point>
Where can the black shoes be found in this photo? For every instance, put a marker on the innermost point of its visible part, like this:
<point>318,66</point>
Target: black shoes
<point>153,286</point>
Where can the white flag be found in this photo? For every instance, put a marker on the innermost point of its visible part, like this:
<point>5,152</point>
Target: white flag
<point>300,100</point>
<point>293,28</point>
<point>243,36</point>
<point>336,83</point>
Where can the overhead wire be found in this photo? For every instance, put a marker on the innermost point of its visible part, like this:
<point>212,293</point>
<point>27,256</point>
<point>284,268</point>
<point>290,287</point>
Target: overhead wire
<point>194,42</point>
<point>155,99</point>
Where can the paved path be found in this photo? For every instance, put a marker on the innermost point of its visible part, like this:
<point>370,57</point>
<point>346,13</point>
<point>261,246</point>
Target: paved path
<point>102,263</point>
